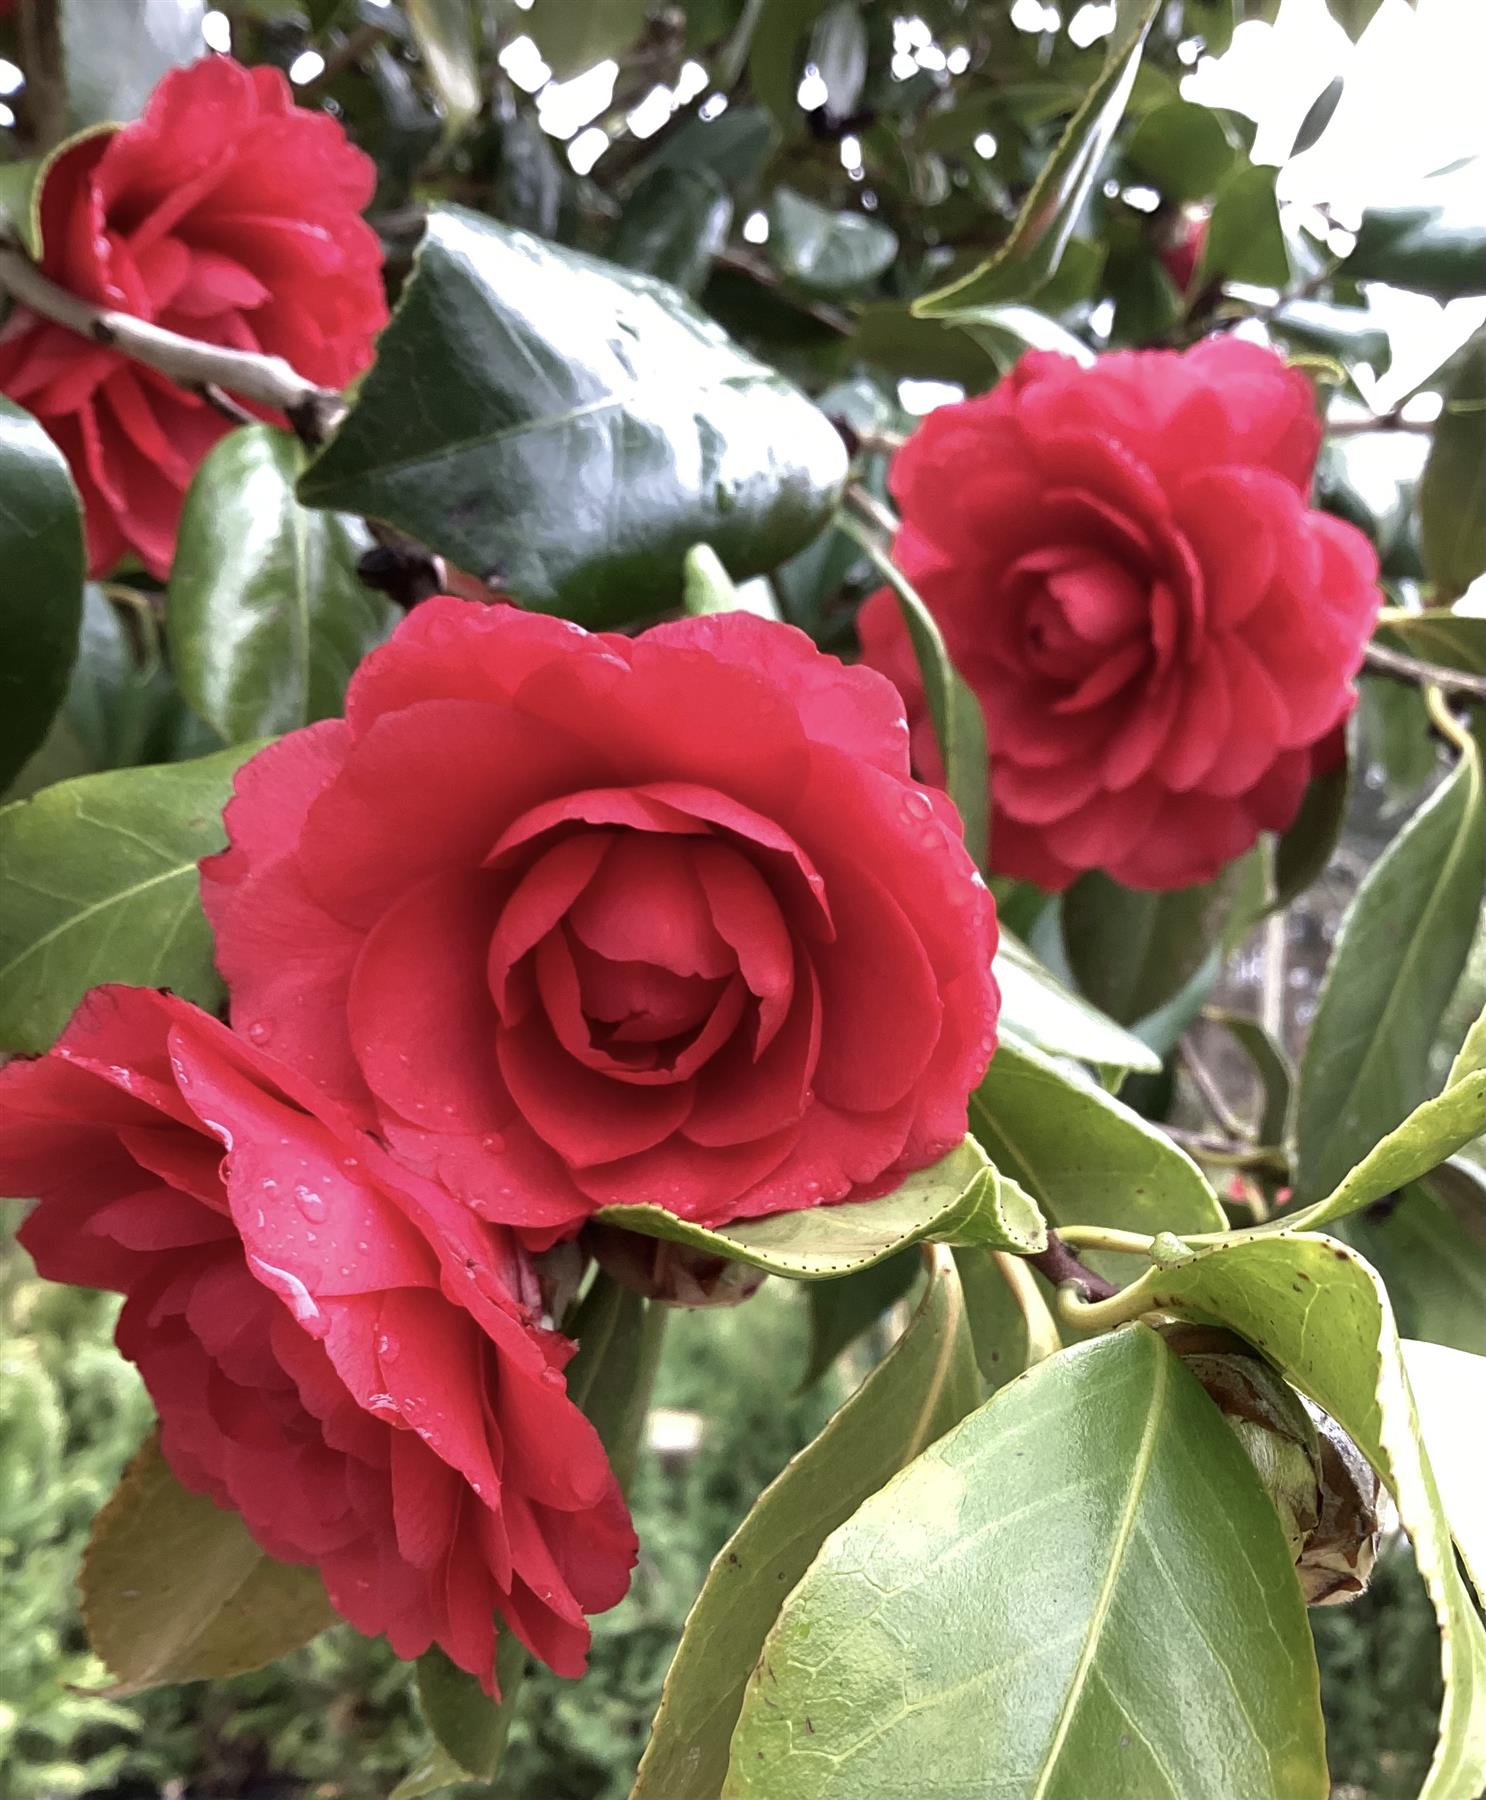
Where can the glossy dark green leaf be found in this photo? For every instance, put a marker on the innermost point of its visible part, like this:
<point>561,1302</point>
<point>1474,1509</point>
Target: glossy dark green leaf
<point>445,33</point>
<point>467,1725</point>
<point>1088,1545</point>
<point>1436,634</point>
<point>1428,1243</point>
<point>265,614</point>
<point>114,55</point>
<point>1424,248</point>
<point>959,724</point>
<point>1008,331</point>
<point>1400,951</point>
<point>98,883</point>
<point>571,429</point>
<point>924,1386</point>
<point>619,1338</point>
<point>841,1311</point>
<point>1046,222</point>
<point>1452,490</point>
<point>1132,951</point>
<point>174,1589</point>
<point>958,1200</point>
<point>734,146</point>
<point>1350,334</point>
<point>1182,149</point>
<point>708,586</point>
<point>41,590</point>
<point>1081,1154</point>
<point>1037,1009</point>
<point>1244,240</point>
<point>573,38</point>
<point>824,251</point>
<point>673,225</point>
<point>1432,1132</point>
<point>1354,16</point>
<point>1320,1314</point>
<point>1318,115</point>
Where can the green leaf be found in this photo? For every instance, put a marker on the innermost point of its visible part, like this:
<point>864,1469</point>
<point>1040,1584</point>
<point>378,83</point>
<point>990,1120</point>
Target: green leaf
<point>1244,239</point>
<point>1348,333</point>
<point>1430,1134</point>
<point>1032,251</point>
<point>840,1311</point>
<point>573,37</point>
<point>1004,1343</point>
<point>619,1338</point>
<point>776,55</point>
<point>1087,1546</point>
<point>825,251</point>
<point>437,1771</point>
<point>1182,149</point>
<point>174,1589</point>
<point>20,216</point>
<point>115,55</point>
<point>926,1384</point>
<point>839,49</point>
<point>265,614</point>
<point>1271,1066</point>
<point>707,586</point>
<point>1131,951</point>
<point>570,429</point>
<point>1037,1009</point>
<point>1424,248</point>
<point>1452,490</point>
<point>1428,1243</point>
<point>41,598</point>
<point>1319,115</point>
<point>1320,1314</point>
<point>958,1200</point>
<point>674,223</point>
<point>467,1725</point>
<point>1354,16</point>
<point>98,883</point>
<point>1449,1388</point>
<point>444,31</point>
<point>1005,332</point>
<point>1303,850</point>
<point>1437,634</point>
<point>1400,951</point>
<point>959,724</point>
<point>1083,1156</point>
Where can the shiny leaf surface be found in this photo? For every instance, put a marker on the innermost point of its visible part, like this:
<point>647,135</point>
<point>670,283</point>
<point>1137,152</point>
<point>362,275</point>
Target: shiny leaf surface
<point>568,429</point>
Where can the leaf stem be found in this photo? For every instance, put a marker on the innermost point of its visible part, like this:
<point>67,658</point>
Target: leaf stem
<point>1106,1237</point>
<point>1043,1339</point>
<point>1402,667</point>
<point>871,511</point>
<point>1059,1265</point>
<point>1445,722</point>
<point>265,380</point>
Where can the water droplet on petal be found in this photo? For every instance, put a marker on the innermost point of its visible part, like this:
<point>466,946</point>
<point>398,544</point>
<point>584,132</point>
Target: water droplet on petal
<point>917,805</point>
<point>310,1203</point>
<point>388,1347</point>
<point>261,1030</point>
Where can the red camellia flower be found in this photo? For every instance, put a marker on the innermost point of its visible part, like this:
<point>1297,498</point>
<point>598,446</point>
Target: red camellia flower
<point>574,920</point>
<point>225,213</point>
<point>338,1350</point>
<point>1127,573</point>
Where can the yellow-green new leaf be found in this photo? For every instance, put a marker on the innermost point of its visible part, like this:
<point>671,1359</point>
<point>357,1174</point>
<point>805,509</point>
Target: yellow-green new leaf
<point>958,1200</point>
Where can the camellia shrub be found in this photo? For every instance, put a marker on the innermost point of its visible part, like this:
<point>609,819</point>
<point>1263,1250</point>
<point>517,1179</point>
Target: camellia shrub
<point>782,695</point>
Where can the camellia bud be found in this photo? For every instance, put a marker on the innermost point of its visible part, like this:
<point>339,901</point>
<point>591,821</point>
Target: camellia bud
<point>1336,1564</point>
<point>1324,1490</point>
<point>1268,1419</point>
<point>673,1273</point>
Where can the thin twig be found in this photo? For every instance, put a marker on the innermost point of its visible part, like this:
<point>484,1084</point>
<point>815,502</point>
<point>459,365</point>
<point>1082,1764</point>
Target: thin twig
<point>1213,1097</point>
<point>1268,1159</point>
<point>267,380</point>
<point>1389,421</point>
<point>1402,667</point>
<point>871,510</point>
